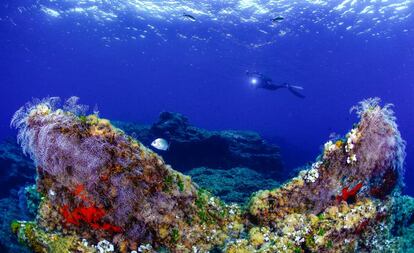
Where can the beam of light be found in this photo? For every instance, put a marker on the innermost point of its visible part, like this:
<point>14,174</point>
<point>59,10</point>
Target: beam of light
<point>254,81</point>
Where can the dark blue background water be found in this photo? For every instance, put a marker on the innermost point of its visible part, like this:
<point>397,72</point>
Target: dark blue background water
<point>136,79</point>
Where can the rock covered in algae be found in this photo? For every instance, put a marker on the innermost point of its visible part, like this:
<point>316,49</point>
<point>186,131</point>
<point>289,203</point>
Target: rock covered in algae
<point>9,211</point>
<point>99,183</point>
<point>368,162</point>
<point>104,191</point>
<point>344,202</point>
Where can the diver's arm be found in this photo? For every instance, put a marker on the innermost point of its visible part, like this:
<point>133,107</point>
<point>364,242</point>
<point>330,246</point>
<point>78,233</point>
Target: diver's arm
<point>272,86</point>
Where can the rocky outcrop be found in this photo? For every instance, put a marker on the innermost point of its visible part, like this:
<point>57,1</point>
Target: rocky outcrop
<point>11,209</point>
<point>192,147</point>
<point>103,191</point>
<point>16,169</point>
<point>234,185</point>
<point>100,183</point>
<point>368,163</point>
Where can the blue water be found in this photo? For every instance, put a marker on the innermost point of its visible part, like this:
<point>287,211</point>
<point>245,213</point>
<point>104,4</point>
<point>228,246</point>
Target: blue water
<point>134,59</point>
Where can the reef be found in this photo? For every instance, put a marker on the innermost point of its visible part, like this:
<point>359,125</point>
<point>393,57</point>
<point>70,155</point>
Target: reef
<point>9,211</point>
<point>104,191</point>
<point>234,185</point>
<point>192,147</point>
<point>16,168</point>
<point>16,172</point>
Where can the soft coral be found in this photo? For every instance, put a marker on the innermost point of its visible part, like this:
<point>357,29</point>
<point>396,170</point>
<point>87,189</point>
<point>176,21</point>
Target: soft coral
<point>90,215</point>
<point>349,194</point>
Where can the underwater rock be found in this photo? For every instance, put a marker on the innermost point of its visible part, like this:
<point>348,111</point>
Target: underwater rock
<point>21,204</point>
<point>344,202</point>
<point>192,147</point>
<point>15,168</point>
<point>368,162</point>
<point>10,209</point>
<point>97,183</point>
<point>234,185</point>
<point>401,224</point>
<point>103,191</point>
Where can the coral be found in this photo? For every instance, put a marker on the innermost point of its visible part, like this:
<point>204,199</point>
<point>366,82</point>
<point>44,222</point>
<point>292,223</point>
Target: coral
<point>100,183</point>
<point>102,190</point>
<point>380,152</point>
<point>349,194</point>
<point>41,242</point>
<point>105,246</point>
<point>89,215</point>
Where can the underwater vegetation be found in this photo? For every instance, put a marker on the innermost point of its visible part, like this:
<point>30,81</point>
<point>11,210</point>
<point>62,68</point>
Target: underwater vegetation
<point>104,191</point>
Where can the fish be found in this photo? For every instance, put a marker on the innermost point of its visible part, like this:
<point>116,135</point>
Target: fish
<point>160,144</point>
<point>276,19</point>
<point>188,16</point>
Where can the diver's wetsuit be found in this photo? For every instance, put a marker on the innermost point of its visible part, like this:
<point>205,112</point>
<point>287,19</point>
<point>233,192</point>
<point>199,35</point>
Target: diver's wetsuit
<point>270,86</point>
<point>261,81</point>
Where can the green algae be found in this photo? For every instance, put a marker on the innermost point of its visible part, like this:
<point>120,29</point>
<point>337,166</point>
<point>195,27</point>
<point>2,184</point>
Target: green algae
<point>41,241</point>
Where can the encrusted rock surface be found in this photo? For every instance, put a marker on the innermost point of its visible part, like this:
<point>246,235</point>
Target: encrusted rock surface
<point>99,183</point>
<point>103,191</point>
<point>192,147</point>
<point>368,162</point>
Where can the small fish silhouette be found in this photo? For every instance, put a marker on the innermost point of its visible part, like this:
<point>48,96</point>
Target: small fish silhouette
<point>188,16</point>
<point>277,19</point>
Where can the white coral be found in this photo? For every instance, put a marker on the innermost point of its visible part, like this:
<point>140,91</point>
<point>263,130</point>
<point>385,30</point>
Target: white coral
<point>353,137</point>
<point>330,147</point>
<point>351,159</point>
<point>145,248</point>
<point>105,246</point>
<point>313,174</point>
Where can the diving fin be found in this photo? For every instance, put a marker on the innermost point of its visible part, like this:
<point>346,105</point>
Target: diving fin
<point>295,90</point>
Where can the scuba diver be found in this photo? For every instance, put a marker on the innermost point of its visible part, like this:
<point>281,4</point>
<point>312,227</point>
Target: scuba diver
<point>258,80</point>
